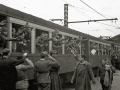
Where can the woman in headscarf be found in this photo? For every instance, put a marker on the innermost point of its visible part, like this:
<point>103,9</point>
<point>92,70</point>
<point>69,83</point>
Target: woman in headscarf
<point>55,78</point>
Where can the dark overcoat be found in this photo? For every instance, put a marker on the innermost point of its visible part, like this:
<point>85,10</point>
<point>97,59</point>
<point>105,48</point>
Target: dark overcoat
<point>55,78</point>
<point>82,75</point>
<point>8,72</point>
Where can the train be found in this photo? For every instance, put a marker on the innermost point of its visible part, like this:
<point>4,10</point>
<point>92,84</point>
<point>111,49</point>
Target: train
<point>95,49</point>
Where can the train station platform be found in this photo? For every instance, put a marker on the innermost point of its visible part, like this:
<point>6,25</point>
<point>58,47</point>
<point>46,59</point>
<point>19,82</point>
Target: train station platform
<point>115,84</point>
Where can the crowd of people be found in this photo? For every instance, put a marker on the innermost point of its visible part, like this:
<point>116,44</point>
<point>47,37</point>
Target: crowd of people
<point>13,72</point>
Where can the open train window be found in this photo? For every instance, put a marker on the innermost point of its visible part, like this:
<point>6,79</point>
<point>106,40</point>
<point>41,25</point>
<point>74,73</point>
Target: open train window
<point>100,49</point>
<point>104,49</point>
<point>41,45</point>
<point>78,45</point>
<point>24,45</point>
<point>68,48</point>
<point>93,48</point>
<point>3,18</point>
<point>97,48</point>
<point>107,52</point>
<point>58,45</point>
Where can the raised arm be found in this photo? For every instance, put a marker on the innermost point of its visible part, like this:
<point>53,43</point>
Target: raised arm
<point>76,56</point>
<point>54,61</point>
<point>17,62</point>
<point>6,38</point>
<point>27,67</point>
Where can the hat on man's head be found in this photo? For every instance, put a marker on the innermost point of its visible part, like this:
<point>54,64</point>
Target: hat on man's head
<point>6,51</point>
<point>44,54</point>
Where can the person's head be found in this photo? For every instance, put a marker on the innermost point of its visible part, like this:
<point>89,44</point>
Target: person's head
<point>43,54</point>
<point>81,58</point>
<point>55,33</point>
<point>6,52</point>
<point>53,53</point>
<point>4,31</point>
<point>103,62</point>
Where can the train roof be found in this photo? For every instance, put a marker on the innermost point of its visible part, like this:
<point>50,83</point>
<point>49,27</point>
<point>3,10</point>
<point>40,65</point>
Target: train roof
<point>33,19</point>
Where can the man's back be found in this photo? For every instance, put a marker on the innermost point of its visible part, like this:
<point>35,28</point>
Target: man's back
<point>42,68</point>
<point>8,73</point>
<point>42,65</point>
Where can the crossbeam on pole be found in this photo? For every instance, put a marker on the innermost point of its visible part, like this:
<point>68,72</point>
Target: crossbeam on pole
<point>93,20</point>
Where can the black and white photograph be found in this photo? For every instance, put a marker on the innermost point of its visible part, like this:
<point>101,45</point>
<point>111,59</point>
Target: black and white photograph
<point>59,45</point>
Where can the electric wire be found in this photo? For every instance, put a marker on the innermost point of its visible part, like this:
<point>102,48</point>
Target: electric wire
<point>79,11</point>
<point>93,9</point>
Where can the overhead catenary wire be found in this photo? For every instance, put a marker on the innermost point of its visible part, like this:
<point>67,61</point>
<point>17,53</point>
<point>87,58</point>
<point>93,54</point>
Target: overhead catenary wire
<point>107,28</point>
<point>107,24</point>
<point>93,9</point>
<point>79,11</point>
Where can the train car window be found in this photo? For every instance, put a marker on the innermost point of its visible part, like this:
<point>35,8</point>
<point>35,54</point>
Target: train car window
<point>118,50</point>
<point>97,48</point>
<point>107,50</point>
<point>100,49</point>
<point>77,45</point>
<point>115,49</point>
<point>24,35</point>
<point>68,45</point>
<point>104,50</point>
<point>3,26</point>
<point>41,43</point>
<point>57,45</point>
<point>93,48</point>
<point>82,48</point>
<point>91,43</point>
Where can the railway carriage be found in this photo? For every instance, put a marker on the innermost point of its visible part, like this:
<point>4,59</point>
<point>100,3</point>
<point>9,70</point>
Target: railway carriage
<point>95,49</point>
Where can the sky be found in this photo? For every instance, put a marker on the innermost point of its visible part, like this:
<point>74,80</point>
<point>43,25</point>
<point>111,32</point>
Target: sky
<point>77,11</point>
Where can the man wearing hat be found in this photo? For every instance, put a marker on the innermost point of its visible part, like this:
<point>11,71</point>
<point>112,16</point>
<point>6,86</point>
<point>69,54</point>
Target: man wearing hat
<point>41,74</point>
<point>82,74</point>
<point>8,73</point>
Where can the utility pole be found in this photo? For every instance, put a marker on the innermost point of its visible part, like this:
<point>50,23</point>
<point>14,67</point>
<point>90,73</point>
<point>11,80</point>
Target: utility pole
<point>66,18</point>
<point>66,15</point>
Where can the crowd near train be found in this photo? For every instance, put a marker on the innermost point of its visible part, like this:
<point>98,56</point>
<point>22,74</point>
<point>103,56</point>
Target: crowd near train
<point>25,34</point>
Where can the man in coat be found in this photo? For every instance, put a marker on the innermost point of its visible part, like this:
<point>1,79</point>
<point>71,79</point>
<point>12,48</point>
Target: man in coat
<point>41,74</point>
<point>82,74</point>
<point>8,73</point>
